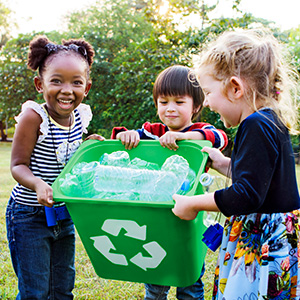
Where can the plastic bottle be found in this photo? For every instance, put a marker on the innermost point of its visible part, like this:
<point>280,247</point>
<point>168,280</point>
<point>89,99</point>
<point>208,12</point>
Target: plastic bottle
<point>138,163</point>
<point>212,237</point>
<point>70,186</point>
<point>187,183</point>
<point>119,181</point>
<point>211,184</point>
<point>178,165</point>
<point>117,158</point>
<point>80,182</point>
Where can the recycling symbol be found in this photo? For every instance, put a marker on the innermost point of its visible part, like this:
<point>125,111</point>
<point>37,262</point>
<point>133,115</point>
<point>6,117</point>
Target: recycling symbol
<point>112,226</point>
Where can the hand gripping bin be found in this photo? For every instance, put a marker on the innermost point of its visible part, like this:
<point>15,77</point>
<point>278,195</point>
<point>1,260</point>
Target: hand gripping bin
<point>139,241</point>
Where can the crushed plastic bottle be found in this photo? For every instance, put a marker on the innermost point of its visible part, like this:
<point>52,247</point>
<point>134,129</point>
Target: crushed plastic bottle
<point>80,182</point>
<point>117,158</point>
<point>138,163</point>
<point>178,165</point>
<point>116,177</point>
<point>140,181</point>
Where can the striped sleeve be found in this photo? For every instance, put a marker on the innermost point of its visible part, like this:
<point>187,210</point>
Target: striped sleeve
<point>217,136</point>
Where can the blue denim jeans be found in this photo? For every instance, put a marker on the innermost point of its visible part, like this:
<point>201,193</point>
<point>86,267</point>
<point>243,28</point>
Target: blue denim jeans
<point>42,257</point>
<point>160,292</point>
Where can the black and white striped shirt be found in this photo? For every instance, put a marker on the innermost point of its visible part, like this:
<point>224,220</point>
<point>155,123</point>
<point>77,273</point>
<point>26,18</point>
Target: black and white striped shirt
<point>49,154</point>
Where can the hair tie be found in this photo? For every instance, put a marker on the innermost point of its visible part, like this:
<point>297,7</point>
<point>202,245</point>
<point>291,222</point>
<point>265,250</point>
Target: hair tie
<point>55,48</point>
<point>51,48</point>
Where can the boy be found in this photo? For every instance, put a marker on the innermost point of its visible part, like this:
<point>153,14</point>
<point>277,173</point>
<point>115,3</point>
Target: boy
<point>179,100</point>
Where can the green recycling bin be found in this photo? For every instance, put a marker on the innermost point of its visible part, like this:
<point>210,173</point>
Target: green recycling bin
<point>133,240</point>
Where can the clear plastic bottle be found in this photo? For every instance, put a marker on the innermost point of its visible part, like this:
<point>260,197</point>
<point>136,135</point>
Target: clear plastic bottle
<point>212,236</point>
<point>117,158</point>
<point>138,163</point>
<point>70,186</point>
<point>119,181</point>
<point>80,182</point>
<point>211,184</point>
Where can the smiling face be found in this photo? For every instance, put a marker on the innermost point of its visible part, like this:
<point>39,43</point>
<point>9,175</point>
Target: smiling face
<point>64,85</point>
<point>231,107</point>
<point>215,99</point>
<point>175,111</point>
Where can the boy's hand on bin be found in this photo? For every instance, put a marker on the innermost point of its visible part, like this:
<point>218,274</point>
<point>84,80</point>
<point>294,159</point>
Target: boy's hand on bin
<point>169,140</point>
<point>130,138</point>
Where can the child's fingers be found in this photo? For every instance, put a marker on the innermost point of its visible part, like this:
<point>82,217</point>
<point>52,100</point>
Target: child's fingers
<point>46,201</point>
<point>169,142</point>
<point>95,137</point>
<point>130,140</point>
<point>49,203</point>
<point>44,194</point>
<point>206,149</point>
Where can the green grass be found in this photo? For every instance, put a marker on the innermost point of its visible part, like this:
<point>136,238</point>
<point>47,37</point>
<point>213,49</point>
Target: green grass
<point>88,285</point>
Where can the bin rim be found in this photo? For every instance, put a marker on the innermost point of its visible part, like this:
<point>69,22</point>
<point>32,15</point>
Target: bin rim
<point>89,144</point>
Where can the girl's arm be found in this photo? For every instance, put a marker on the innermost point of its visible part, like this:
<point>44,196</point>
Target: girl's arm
<point>187,207</point>
<point>25,138</point>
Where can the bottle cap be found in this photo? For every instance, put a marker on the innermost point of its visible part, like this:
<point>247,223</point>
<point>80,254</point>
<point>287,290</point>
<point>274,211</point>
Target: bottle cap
<point>185,186</point>
<point>206,179</point>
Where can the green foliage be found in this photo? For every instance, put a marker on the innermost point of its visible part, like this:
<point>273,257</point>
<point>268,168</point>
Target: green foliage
<point>294,46</point>
<point>16,80</point>
<point>129,55</point>
<point>133,42</point>
<point>6,23</point>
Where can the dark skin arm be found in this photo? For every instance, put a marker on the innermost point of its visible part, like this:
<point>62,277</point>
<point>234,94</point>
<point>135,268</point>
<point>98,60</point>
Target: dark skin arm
<point>25,138</point>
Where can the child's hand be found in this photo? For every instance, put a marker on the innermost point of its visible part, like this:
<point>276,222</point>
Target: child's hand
<point>218,161</point>
<point>95,137</point>
<point>129,138</point>
<point>169,139</point>
<point>184,207</point>
<point>44,193</point>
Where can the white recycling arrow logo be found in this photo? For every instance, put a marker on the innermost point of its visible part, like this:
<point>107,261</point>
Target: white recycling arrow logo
<point>112,226</point>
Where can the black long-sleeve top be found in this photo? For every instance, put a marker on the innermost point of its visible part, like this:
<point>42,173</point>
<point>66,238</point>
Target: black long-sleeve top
<point>263,169</point>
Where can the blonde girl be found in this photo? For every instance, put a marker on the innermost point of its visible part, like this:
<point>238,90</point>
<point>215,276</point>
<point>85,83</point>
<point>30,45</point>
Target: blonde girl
<point>246,80</point>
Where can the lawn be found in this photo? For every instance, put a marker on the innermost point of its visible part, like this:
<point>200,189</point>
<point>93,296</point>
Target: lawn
<point>88,285</point>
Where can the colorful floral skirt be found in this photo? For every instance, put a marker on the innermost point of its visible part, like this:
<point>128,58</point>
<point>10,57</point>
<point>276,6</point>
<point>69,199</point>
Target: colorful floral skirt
<point>259,258</point>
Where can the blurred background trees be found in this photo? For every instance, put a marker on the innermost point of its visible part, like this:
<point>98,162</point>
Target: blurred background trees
<point>133,41</point>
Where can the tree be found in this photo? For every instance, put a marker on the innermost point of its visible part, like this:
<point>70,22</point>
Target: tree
<point>16,81</point>
<point>129,55</point>
<point>294,49</point>
<point>6,24</point>
<point>133,42</point>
